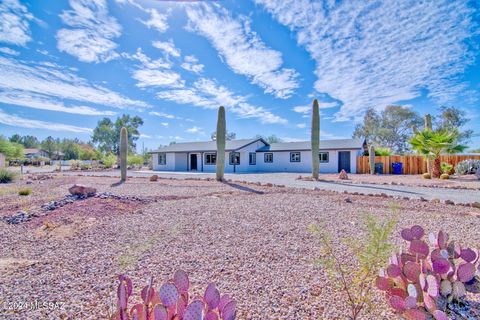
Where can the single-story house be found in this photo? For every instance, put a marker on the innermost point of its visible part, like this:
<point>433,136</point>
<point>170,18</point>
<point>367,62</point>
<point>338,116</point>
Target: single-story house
<point>256,155</point>
<point>32,153</point>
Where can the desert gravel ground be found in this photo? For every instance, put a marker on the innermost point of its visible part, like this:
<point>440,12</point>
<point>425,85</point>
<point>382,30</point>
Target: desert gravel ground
<point>251,240</point>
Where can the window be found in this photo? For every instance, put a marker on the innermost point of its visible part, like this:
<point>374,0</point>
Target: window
<point>162,159</point>
<point>210,158</point>
<point>294,156</point>
<point>268,157</point>
<point>323,156</point>
<point>234,158</point>
<point>252,158</point>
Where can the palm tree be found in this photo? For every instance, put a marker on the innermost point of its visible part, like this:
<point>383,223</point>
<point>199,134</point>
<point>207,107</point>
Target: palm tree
<point>431,144</point>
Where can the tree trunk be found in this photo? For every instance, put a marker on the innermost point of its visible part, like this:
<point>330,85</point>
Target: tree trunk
<point>436,168</point>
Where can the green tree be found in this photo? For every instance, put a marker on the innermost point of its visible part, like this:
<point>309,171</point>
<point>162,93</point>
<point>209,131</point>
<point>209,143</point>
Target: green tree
<point>390,128</point>
<point>106,134</point>
<point>431,144</point>
<point>11,150</point>
<point>452,118</point>
<point>50,146</point>
<point>71,149</point>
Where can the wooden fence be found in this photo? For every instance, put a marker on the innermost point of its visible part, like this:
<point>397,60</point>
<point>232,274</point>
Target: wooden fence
<point>411,164</point>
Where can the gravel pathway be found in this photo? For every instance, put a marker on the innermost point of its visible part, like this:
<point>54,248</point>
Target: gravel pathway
<point>466,196</point>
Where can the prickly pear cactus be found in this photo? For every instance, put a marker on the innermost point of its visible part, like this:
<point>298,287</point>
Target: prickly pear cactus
<point>371,157</point>
<point>221,135</point>
<point>315,140</point>
<point>123,153</point>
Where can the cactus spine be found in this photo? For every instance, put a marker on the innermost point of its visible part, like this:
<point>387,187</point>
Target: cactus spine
<point>315,140</point>
<point>428,126</point>
<point>123,153</point>
<point>371,157</point>
<point>220,137</point>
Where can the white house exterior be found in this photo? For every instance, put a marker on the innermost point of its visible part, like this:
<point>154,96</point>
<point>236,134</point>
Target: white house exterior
<point>256,155</point>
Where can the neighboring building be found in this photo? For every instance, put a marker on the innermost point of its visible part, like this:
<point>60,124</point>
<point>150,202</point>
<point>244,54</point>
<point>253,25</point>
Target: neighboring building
<point>256,155</point>
<point>32,153</point>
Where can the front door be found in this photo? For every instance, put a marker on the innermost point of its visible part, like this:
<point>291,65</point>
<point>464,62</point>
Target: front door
<point>193,162</point>
<point>344,161</point>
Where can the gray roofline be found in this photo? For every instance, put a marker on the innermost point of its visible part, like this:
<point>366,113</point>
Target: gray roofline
<point>213,150</point>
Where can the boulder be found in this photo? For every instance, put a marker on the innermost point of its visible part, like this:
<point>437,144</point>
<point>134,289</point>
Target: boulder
<point>154,177</point>
<point>81,190</point>
<point>343,175</point>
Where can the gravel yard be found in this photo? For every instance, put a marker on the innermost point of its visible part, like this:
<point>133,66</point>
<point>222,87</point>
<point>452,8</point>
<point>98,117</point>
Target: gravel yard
<point>252,241</point>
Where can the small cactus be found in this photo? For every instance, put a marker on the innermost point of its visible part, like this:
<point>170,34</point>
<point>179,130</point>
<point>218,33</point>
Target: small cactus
<point>220,137</point>
<point>123,153</point>
<point>422,284</point>
<point>315,140</point>
<point>371,157</point>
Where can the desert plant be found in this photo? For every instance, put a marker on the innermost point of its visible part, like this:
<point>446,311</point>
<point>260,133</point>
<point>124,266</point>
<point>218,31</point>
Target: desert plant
<point>24,192</point>
<point>423,283</point>
<point>469,166</point>
<point>75,164</point>
<point>315,139</point>
<point>6,176</point>
<point>432,144</point>
<point>426,175</point>
<point>428,126</point>
<point>109,160</point>
<point>444,176</point>
<point>383,152</point>
<point>172,301</point>
<point>220,140</point>
<point>85,166</point>
<point>371,158</point>
<point>123,148</point>
<point>135,161</point>
<point>446,168</point>
<point>358,284</point>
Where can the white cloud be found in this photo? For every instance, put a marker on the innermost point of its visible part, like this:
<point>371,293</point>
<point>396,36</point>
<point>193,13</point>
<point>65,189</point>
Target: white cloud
<point>207,93</point>
<point>9,51</point>
<point>37,101</point>
<point>162,114</point>
<point>157,78</point>
<point>168,47</point>
<point>16,121</point>
<point>145,136</point>
<point>14,26</point>
<point>195,130</point>
<point>243,50</point>
<point>91,33</point>
<point>375,54</point>
<point>165,124</point>
<point>307,109</point>
<point>19,79</point>
<point>301,125</point>
<point>157,20</point>
<point>191,64</point>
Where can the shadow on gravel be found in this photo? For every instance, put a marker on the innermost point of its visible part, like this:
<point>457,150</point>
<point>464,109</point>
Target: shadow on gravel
<point>116,184</point>
<point>243,188</point>
<point>370,187</point>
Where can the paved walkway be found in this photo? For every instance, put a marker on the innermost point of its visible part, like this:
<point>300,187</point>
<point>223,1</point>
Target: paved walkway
<point>289,179</point>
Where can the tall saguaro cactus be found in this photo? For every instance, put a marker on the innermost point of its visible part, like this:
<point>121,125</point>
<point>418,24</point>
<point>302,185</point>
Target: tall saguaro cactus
<point>123,153</point>
<point>428,126</point>
<point>315,140</point>
<point>221,136</point>
<point>371,157</point>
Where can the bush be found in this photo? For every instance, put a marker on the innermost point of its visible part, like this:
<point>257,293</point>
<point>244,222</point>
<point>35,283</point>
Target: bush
<point>383,151</point>
<point>423,284</point>
<point>426,175</point>
<point>135,161</point>
<point>171,301</point>
<point>75,165</point>
<point>469,166</point>
<point>25,192</point>
<point>6,176</point>
<point>109,160</point>
<point>85,166</point>
<point>444,176</point>
<point>446,168</point>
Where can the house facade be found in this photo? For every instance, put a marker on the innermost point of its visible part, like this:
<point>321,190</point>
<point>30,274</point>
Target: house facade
<point>256,155</point>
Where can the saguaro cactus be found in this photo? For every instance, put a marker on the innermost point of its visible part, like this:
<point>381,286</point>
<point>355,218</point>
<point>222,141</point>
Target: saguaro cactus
<point>221,133</point>
<point>123,153</point>
<point>315,139</point>
<point>371,157</point>
<point>428,126</point>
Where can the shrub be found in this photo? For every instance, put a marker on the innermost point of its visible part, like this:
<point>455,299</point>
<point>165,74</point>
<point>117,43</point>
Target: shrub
<point>109,160</point>
<point>426,175</point>
<point>469,166</point>
<point>85,166</point>
<point>135,161</point>
<point>446,168</point>
<point>6,176</point>
<point>421,283</point>
<point>369,255</point>
<point>25,191</point>
<point>75,165</point>
<point>444,176</point>
<point>383,151</point>
<point>172,301</point>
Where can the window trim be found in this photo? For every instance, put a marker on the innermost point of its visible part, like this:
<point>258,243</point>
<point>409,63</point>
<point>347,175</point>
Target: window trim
<point>254,162</point>
<point>265,157</point>
<point>328,157</point>
<point>230,158</point>
<point>164,156</point>
<point>209,154</point>
<point>299,156</point>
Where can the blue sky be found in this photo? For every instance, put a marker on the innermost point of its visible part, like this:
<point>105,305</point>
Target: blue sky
<point>66,64</point>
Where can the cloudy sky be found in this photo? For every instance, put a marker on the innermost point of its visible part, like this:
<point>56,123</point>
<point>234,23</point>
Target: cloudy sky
<point>66,64</point>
